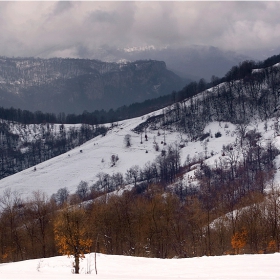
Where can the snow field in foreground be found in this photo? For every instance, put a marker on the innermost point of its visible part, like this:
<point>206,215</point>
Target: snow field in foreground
<point>124,267</point>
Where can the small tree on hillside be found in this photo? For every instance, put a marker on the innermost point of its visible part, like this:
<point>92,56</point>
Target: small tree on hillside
<point>61,196</point>
<point>82,190</point>
<point>71,234</point>
<point>114,159</point>
<point>132,174</point>
<point>127,140</point>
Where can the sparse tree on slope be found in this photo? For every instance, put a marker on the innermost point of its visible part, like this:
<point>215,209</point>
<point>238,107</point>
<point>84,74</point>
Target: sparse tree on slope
<point>82,190</point>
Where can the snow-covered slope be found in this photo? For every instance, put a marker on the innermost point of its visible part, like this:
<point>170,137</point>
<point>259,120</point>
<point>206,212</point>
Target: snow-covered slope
<point>93,157</point>
<point>121,267</point>
<point>67,170</point>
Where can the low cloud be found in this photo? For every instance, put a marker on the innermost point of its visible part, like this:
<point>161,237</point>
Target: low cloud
<point>77,29</point>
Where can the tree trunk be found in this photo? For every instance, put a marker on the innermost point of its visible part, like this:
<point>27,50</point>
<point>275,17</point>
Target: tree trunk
<point>77,264</point>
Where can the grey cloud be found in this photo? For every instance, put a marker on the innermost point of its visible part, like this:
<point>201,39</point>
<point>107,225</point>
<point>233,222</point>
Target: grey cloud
<point>102,16</point>
<point>78,28</point>
<point>83,51</point>
<point>61,7</point>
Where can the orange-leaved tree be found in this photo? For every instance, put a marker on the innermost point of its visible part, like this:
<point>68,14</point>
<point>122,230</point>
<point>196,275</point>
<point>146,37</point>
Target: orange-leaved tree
<point>71,233</point>
<point>238,240</point>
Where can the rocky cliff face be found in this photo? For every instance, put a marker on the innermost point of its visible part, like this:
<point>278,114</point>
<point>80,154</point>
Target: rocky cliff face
<point>74,85</point>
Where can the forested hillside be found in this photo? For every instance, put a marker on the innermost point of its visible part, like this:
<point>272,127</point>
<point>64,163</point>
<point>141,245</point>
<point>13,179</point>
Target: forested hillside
<point>198,177</point>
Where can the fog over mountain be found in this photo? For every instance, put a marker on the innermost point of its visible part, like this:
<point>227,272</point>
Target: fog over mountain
<point>192,62</point>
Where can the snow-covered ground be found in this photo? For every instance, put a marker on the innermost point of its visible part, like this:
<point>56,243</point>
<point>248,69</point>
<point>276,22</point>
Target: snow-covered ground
<point>69,169</point>
<point>123,268</point>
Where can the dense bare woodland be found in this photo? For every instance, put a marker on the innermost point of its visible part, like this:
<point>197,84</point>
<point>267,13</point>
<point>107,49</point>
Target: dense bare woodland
<point>233,208</point>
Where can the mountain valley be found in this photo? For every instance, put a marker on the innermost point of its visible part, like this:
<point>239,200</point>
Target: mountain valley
<point>198,177</point>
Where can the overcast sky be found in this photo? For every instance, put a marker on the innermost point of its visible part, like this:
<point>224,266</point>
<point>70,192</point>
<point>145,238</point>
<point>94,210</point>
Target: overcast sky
<point>75,29</point>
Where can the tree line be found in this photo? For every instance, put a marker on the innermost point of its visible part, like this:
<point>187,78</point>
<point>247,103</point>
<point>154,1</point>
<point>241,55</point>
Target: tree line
<point>156,223</point>
<point>92,118</point>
